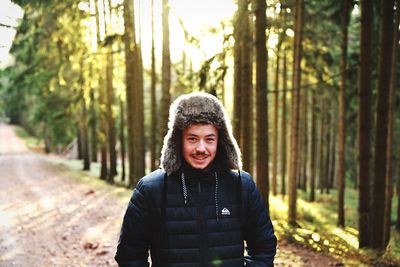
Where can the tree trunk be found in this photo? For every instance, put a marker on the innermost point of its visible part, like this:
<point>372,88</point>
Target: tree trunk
<point>237,85</point>
<point>84,123</point>
<point>300,141</point>
<point>130,45</point>
<point>332,181</point>
<point>304,172</point>
<point>122,138</point>
<point>385,60</point>
<point>247,87</point>
<point>391,114</point>
<point>110,118</point>
<point>364,124</point>
<point>86,155</point>
<point>93,126</point>
<point>79,140</point>
<point>327,149</point>
<point>398,200</point>
<point>153,103</point>
<point>47,140</point>
<point>138,124</point>
<point>112,136</point>
<point>295,111</point>
<point>275,128</point>
<point>92,117</point>
<point>283,126</point>
<point>102,135</point>
<point>84,133</point>
<point>103,132</point>
<point>306,142</point>
<point>261,100</point>
<point>313,157</point>
<point>223,86</point>
<point>166,71</point>
<point>322,144</point>
<point>299,148</point>
<point>342,114</point>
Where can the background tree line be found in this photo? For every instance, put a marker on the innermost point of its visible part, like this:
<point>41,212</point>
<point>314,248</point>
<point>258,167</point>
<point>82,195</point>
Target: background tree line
<point>310,85</point>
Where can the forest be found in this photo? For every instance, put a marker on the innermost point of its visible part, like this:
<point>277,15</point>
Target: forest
<point>311,87</point>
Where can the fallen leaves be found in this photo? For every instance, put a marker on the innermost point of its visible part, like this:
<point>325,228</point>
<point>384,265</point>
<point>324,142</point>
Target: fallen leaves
<point>91,191</point>
<point>90,245</point>
<point>102,253</point>
<point>93,246</point>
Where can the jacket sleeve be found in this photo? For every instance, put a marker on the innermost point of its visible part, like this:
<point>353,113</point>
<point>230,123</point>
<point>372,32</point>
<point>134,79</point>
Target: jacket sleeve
<point>134,240</point>
<point>258,231</point>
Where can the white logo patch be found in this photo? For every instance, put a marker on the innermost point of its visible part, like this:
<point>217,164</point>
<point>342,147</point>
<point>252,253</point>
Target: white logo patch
<point>225,212</point>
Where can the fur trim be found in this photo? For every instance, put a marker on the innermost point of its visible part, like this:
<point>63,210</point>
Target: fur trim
<point>194,108</point>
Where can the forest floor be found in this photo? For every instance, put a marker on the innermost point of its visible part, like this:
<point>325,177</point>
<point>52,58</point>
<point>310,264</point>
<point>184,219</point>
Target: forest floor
<point>49,217</point>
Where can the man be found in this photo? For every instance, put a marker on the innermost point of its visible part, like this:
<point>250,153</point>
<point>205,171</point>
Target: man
<point>196,210</point>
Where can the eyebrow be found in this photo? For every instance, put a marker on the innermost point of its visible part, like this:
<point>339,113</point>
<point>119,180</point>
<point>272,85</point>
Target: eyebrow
<point>209,135</point>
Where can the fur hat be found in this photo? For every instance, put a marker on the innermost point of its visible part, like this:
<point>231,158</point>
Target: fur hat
<point>198,108</point>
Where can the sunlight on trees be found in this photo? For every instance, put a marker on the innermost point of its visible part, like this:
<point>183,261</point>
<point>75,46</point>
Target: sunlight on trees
<point>95,78</point>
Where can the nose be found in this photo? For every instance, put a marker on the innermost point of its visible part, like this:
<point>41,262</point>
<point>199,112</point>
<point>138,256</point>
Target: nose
<point>201,146</point>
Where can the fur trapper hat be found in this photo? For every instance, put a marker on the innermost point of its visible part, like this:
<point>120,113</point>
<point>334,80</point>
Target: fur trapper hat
<point>198,108</point>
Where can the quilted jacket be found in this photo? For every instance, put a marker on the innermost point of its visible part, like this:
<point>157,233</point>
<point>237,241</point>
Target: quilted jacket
<point>190,218</point>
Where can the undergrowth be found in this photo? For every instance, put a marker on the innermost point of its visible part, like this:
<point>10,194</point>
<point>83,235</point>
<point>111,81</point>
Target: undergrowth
<point>317,229</point>
<point>32,142</point>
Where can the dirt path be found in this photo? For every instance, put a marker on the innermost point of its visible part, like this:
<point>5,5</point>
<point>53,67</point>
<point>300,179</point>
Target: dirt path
<point>49,219</point>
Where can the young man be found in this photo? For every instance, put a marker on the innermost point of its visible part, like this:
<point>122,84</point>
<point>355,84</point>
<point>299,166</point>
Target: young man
<point>196,210</point>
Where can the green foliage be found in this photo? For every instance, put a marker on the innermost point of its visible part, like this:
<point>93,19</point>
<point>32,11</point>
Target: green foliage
<point>211,75</point>
<point>43,88</point>
<point>318,230</point>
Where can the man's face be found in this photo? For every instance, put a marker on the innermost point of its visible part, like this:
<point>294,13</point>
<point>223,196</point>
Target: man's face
<point>199,145</point>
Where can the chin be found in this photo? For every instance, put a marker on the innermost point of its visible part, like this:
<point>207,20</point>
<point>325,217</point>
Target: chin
<point>199,167</point>
<point>202,166</point>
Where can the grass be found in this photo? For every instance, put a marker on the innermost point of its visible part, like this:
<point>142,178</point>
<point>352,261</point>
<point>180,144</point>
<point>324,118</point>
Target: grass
<point>73,168</point>
<point>33,143</point>
<point>318,230</point>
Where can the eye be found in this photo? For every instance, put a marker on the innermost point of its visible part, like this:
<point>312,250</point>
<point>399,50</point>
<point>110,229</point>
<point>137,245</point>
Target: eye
<point>191,139</point>
<point>210,140</point>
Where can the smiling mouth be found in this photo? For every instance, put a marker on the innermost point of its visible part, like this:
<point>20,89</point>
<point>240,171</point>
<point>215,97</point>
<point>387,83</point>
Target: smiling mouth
<point>200,158</point>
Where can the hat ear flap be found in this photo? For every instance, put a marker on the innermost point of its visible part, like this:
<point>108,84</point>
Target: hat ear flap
<point>171,154</point>
<point>229,150</point>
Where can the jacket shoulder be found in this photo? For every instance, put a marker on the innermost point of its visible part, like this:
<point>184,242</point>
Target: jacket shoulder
<point>153,179</point>
<point>245,177</point>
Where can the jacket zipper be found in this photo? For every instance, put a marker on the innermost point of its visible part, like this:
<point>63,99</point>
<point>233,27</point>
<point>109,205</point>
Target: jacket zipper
<point>202,230</point>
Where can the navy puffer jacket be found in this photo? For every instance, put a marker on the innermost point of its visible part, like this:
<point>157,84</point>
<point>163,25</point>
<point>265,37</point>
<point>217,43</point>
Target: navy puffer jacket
<point>208,230</point>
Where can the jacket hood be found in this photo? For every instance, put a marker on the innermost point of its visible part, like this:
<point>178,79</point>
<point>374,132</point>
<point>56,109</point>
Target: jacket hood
<point>198,108</point>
